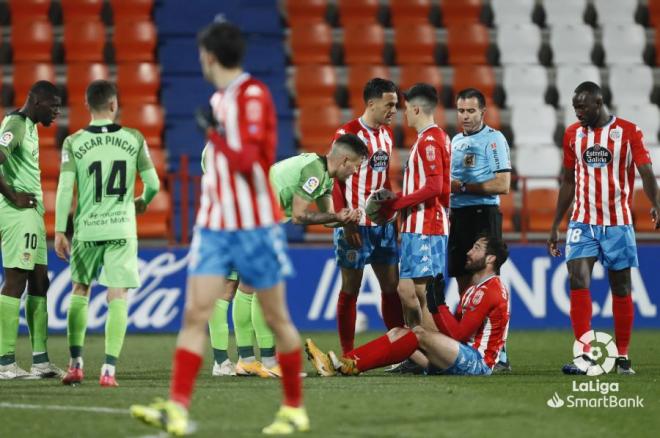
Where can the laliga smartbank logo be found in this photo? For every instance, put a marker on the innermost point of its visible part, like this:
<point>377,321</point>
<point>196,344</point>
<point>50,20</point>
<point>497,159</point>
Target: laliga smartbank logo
<point>603,352</point>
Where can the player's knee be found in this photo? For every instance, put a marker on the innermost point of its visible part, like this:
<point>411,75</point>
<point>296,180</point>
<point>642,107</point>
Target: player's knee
<point>396,333</point>
<point>419,332</point>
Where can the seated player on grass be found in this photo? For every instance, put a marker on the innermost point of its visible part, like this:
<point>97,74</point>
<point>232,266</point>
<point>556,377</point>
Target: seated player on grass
<point>469,341</point>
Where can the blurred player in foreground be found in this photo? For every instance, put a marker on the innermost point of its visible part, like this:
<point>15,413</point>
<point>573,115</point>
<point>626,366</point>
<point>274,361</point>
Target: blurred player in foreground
<point>469,341</point>
<point>237,229</point>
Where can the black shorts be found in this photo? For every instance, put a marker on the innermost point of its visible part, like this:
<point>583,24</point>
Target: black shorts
<point>466,224</point>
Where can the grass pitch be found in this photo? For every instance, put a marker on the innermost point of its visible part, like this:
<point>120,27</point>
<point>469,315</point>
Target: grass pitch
<point>373,405</point>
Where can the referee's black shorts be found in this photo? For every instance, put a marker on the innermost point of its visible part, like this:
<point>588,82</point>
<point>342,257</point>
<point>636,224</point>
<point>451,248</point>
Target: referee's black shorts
<point>466,224</point>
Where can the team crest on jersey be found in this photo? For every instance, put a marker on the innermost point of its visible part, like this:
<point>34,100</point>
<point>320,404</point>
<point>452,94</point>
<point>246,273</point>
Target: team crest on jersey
<point>6,138</point>
<point>430,153</point>
<point>615,134</point>
<point>379,161</point>
<point>469,160</point>
<point>478,296</point>
<point>597,156</point>
<point>311,184</point>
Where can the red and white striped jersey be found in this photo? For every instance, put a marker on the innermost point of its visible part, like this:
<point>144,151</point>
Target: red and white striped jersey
<point>604,173</point>
<point>430,155</point>
<point>373,175</point>
<point>232,200</point>
<point>487,301</point>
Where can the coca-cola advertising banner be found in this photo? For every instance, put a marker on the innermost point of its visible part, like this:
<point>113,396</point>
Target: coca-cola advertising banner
<point>538,285</point>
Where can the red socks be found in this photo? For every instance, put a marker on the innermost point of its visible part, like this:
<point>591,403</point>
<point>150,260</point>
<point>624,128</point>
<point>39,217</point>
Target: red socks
<point>184,373</point>
<point>381,352</point>
<point>392,310</point>
<point>346,311</point>
<point>624,313</point>
<point>581,314</point>
<point>291,365</point>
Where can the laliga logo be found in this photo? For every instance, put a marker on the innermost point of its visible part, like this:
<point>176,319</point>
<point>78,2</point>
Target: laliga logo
<point>555,401</point>
<point>598,342</point>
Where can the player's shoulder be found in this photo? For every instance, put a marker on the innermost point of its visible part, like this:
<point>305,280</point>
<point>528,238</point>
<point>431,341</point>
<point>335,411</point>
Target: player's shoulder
<point>14,122</point>
<point>352,127</point>
<point>626,125</point>
<point>495,287</point>
<point>252,88</point>
<point>457,137</point>
<point>71,138</point>
<point>572,128</point>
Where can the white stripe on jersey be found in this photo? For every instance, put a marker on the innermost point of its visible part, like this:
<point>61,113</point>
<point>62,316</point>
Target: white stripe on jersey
<point>604,179</point>
<point>225,212</point>
<point>581,201</point>
<point>264,205</point>
<point>485,337</point>
<point>419,213</point>
<point>592,179</point>
<point>616,168</point>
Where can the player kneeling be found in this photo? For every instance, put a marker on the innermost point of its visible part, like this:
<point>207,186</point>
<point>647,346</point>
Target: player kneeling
<point>469,341</point>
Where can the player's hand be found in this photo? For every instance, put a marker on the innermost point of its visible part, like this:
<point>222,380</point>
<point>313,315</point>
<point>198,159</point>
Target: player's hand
<point>656,218</point>
<point>455,186</point>
<point>24,200</point>
<point>62,246</point>
<point>352,235</point>
<point>140,205</point>
<point>347,216</point>
<point>553,248</point>
<point>435,293</point>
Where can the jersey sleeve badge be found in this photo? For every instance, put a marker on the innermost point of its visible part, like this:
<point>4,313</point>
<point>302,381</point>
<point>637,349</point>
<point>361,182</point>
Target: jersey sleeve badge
<point>6,138</point>
<point>430,152</point>
<point>311,184</point>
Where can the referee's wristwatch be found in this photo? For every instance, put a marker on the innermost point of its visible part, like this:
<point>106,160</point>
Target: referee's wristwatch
<point>462,188</point>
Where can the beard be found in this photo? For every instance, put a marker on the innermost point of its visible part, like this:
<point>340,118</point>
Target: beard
<point>475,265</point>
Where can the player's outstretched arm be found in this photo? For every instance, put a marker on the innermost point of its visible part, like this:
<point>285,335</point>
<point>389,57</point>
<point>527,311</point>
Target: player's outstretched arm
<point>18,199</point>
<point>650,185</point>
<point>300,214</point>
<point>431,188</point>
<point>564,201</point>
<point>499,185</point>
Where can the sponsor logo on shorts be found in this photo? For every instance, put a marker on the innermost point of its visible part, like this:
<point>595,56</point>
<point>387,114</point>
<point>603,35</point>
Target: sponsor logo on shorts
<point>311,184</point>
<point>6,138</point>
<point>351,255</point>
<point>26,257</point>
<point>96,243</point>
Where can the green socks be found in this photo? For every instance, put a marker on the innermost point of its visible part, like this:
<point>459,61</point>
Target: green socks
<point>9,308</point>
<point>242,316</point>
<point>219,331</point>
<point>115,329</point>
<point>265,337</point>
<point>76,320</point>
<point>36,314</point>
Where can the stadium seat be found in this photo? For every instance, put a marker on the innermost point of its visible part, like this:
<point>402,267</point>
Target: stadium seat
<point>493,117</point>
<point>26,74</point>
<point>564,11</point>
<point>540,204</point>
<point>154,223</point>
<point>32,41</point>
<point>29,9</point>
<point>410,135</point>
<point>654,15</point>
<point>457,12</point>
<point>317,127</point>
<point>364,44</point>
<point>358,76</point>
<point>524,84</point>
<point>646,116</point>
<point>79,76</point>
<point>81,10</point>
<point>569,77</point>
<point>49,197</point>
<point>138,82</point>
<point>84,41</point>
<point>299,12</point>
<point>353,12</point>
<point>619,11</point>
<point>315,85</point>
<point>630,84</point>
<point>409,12</point>
<point>79,117</point>
<point>409,75</point>
<point>571,44</point>
<point>135,41</point>
<point>310,43</point>
<point>654,150</point>
<point>159,158</point>
<point>415,43</point>
<point>49,162</point>
<point>507,12</point>
<point>533,125</point>
<point>48,135</point>
<point>538,161</point>
<point>148,118</point>
<point>640,209</point>
<point>624,44</point>
<point>518,43</point>
<point>508,210</point>
<point>474,76</point>
<point>467,43</point>
<point>131,9</point>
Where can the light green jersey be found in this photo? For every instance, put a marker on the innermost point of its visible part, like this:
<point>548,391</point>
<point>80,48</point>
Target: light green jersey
<point>305,175</point>
<point>19,142</point>
<point>105,158</point>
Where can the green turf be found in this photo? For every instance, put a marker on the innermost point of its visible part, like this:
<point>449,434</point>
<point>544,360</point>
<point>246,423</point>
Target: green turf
<point>372,405</point>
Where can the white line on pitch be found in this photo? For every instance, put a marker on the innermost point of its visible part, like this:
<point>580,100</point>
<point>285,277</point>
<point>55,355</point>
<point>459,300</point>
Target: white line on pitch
<point>98,409</point>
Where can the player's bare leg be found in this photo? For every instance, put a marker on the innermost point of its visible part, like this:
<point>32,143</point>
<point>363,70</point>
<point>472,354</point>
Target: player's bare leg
<point>351,280</point>
<point>10,301</point>
<point>441,350</point>
<point>579,278</point>
<point>292,415</point>
<point>624,312</point>
<point>219,330</point>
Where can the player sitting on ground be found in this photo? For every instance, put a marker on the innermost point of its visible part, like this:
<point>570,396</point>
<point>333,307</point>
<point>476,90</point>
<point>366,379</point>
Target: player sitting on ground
<point>102,159</point>
<point>469,341</point>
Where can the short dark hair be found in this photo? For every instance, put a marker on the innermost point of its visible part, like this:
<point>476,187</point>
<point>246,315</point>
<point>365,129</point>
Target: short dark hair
<point>354,144</point>
<point>495,247</point>
<point>590,88</point>
<point>99,93</point>
<point>469,93</point>
<point>43,90</point>
<point>376,87</point>
<point>423,91</point>
<point>225,41</point>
